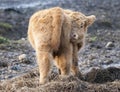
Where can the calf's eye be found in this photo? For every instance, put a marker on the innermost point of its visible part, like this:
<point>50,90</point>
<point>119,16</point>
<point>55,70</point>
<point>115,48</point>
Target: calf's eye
<point>81,26</point>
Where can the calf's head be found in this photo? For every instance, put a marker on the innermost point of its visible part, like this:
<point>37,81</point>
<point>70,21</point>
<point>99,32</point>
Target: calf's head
<point>80,23</point>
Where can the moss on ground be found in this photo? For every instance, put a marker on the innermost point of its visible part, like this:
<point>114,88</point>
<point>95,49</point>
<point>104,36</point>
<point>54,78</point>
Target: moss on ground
<point>3,40</point>
<point>93,39</point>
<point>5,25</point>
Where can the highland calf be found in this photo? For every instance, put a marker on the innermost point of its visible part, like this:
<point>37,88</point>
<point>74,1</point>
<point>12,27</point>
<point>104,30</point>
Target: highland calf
<point>58,34</point>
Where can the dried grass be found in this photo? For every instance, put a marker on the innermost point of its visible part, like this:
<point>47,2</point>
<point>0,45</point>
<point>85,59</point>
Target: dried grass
<point>29,82</point>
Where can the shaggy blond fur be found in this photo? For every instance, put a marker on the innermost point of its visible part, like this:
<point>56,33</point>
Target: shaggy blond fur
<point>57,34</point>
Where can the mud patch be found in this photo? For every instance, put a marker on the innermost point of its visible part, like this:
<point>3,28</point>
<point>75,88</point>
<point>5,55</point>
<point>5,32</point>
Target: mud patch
<point>103,75</point>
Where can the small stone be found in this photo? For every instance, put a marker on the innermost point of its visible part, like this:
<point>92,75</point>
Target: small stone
<point>99,46</point>
<point>107,62</point>
<point>23,39</point>
<point>24,58</point>
<point>92,56</point>
<point>6,77</point>
<point>10,76</point>
<point>109,44</point>
<point>16,68</point>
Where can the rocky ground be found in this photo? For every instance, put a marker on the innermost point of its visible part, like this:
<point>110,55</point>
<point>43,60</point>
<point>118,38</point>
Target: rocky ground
<point>99,61</point>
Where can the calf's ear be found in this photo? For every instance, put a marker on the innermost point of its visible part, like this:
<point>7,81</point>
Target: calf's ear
<point>90,20</point>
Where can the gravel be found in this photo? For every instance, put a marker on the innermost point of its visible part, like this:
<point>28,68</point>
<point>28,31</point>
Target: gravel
<point>101,52</point>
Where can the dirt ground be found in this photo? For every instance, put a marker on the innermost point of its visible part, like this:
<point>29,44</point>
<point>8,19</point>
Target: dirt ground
<point>99,61</point>
<point>100,69</point>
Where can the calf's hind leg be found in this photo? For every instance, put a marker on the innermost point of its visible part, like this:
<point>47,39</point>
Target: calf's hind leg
<point>63,61</point>
<point>44,62</point>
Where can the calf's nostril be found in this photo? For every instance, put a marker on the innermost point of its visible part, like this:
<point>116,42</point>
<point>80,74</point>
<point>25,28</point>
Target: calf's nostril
<point>74,35</point>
